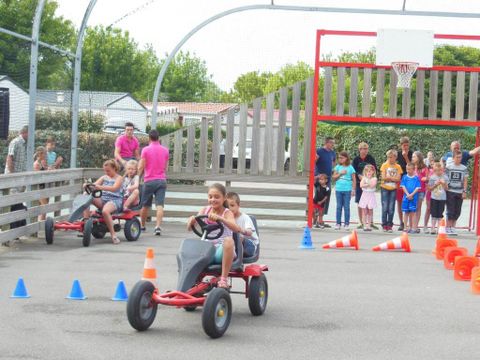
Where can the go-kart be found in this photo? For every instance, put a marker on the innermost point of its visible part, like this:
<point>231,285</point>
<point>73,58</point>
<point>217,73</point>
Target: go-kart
<point>197,284</point>
<point>95,225</point>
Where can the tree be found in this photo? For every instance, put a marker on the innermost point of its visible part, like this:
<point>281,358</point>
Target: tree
<point>251,85</point>
<point>288,75</point>
<point>54,70</point>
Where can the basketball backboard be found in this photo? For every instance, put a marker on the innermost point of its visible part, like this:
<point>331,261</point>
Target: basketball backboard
<point>405,45</point>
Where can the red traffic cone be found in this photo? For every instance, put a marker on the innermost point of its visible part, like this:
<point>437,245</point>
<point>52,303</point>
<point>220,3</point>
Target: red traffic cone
<point>477,248</point>
<point>344,242</point>
<point>441,245</point>
<point>450,253</point>
<point>476,280</point>
<point>398,243</point>
<point>149,271</point>
<point>463,267</point>
<point>442,235</point>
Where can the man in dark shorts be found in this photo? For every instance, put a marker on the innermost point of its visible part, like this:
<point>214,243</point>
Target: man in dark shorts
<point>154,164</point>
<point>364,158</point>
<point>404,157</point>
<point>324,162</point>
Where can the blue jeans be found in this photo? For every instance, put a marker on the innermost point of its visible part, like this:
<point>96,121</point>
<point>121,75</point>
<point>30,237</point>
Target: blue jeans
<point>388,206</point>
<point>343,202</point>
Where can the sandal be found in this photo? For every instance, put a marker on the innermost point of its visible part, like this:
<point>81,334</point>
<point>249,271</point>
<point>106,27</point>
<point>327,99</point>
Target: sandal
<point>222,283</point>
<point>115,240</point>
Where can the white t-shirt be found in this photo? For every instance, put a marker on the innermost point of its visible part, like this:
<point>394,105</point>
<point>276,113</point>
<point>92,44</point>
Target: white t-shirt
<point>245,222</point>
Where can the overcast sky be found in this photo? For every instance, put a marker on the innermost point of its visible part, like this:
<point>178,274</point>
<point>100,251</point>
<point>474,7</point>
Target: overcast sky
<point>262,39</point>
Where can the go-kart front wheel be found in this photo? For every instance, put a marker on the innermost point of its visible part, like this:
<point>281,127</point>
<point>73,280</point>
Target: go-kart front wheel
<point>141,310</point>
<point>132,229</point>
<point>87,232</point>
<point>49,230</point>
<point>99,230</point>
<point>258,295</point>
<point>217,313</point>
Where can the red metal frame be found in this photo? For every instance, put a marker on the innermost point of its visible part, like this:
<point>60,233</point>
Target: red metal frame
<point>400,121</point>
<point>189,298</point>
<point>78,225</point>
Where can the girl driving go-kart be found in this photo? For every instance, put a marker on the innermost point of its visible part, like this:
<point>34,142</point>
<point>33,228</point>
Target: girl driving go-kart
<point>217,210</point>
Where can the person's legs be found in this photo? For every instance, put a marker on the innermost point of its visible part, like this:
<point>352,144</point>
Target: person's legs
<point>418,213</point>
<point>391,207</point>
<point>366,224</point>
<point>132,200</point>
<point>385,198</point>
<point>42,217</point>
<point>428,205</point>
<point>159,202</point>
<point>346,203</point>
<point>228,254</point>
<point>458,209</point>
<point>107,211</point>
<point>98,203</point>
<point>320,216</point>
<point>399,208</point>
<point>450,208</point>
<point>147,197</point>
<point>358,195</point>
<point>339,196</point>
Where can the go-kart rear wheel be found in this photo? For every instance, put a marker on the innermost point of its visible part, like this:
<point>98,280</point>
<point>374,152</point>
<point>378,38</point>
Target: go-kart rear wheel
<point>132,229</point>
<point>141,310</point>
<point>258,295</point>
<point>217,313</point>
<point>49,230</point>
<point>87,232</point>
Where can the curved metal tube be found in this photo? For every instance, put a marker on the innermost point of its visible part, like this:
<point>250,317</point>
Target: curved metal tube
<point>76,84</point>
<point>170,57</point>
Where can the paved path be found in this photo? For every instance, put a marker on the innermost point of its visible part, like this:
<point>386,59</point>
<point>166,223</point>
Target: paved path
<point>323,304</point>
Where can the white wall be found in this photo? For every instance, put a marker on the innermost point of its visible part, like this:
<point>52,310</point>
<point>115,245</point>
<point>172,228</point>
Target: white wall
<point>18,105</point>
<point>128,110</point>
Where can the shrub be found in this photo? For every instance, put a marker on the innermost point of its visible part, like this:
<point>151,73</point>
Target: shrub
<point>60,120</point>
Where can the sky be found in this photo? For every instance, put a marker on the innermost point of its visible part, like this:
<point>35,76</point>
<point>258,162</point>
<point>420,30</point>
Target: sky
<point>263,40</point>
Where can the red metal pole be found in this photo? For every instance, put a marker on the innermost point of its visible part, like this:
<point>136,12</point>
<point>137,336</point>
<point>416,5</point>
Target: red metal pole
<point>313,137</point>
<point>475,180</point>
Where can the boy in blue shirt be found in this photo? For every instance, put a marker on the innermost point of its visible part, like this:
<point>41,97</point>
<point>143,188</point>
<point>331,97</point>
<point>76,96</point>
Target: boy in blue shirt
<point>411,186</point>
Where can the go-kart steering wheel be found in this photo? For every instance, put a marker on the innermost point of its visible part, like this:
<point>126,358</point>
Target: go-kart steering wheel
<point>208,228</point>
<point>90,190</point>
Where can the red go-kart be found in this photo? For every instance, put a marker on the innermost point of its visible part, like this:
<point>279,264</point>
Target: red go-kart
<point>197,284</point>
<point>95,225</point>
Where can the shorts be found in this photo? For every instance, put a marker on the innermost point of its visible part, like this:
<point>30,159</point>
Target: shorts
<point>358,193</point>
<point>421,196</point>
<point>155,188</point>
<point>249,248</point>
<point>118,203</point>
<point>409,206</point>
<point>399,195</point>
<point>318,207</point>
<point>218,256</point>
<point>454,205</point>
<point>437,207</point>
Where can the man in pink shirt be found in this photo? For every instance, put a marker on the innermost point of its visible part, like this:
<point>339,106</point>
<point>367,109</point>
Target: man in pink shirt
<point>153,164</point>
<point>127,146</point>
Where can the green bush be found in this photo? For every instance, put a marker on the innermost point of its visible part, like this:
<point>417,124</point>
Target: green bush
<point>60,120</point>
<point>164,128</point>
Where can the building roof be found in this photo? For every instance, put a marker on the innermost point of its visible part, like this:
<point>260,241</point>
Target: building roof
<point>194,108</point>
<point>6,77</point>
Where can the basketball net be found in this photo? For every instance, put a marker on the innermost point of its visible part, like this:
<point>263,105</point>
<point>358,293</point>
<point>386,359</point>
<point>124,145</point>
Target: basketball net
<point>404,71</point>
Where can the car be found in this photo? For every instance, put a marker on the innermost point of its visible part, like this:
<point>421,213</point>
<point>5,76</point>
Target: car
<point>248,155</point>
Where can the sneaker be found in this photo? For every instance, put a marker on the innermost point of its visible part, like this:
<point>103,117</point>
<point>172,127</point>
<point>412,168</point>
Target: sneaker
<point>346,227</point>
<point>360,226</point>
<point>337,227</point>
<point>448,230</point>
<point>316,226</point>
<point>401,227</point>
<point>433,232</point>
<point>321,226</point>
<point>385,228</point>
<point>157,231</point>
<point>389,229</point>
<point>453,231</point>
<point>425,230</point>
<point>374,227</point>
<point>326,226</point>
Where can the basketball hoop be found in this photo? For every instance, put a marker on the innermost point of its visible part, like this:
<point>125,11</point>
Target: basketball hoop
<point>404,71</point>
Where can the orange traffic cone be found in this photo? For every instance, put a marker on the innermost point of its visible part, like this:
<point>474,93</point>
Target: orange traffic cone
<point>149,272</point>
<point>346,241</point>
<point>441,244</point>
<point>450,253</point>
<point>442,234</point>
<point>477,248</point>
<point>463,267</point>
<point>394,244</point>
<point>476,280</point>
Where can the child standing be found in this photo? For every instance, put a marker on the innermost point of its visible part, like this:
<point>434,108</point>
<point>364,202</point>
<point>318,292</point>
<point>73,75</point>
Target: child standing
<point>322,194</point>
<point>391,174</point>
<point>437,186</point>
<point>53,161</point>
<point>457,190</point>
<point>40,164</point>
<point>421,171</point>
<point>411,186</point>
<point>248,233</point>
<point>131,181</point>
<point>367,201</point>
<point>344,174</point>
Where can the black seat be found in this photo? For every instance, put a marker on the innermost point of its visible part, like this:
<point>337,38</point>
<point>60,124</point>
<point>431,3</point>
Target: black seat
<point>254,258</point>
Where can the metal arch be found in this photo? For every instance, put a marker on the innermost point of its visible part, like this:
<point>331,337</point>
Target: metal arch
<point>33,83</point>
<point>404,12</point>
<point>76,84</point>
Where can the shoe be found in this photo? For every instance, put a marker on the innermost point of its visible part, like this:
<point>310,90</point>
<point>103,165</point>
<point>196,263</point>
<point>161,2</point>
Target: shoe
<point>385,228</point>
<point>416,231</point>
<point>433,232</point>
<point>389,229</point>
<point>401,227</point>
<point>326,226</point>
<point>360,226</point>
<point>346,227</point>
<point>448,230</point>
<point>143,229</point>
<point>316,226</point>
<point>425,230</point>
<point>374,227</point>
<point>453,232</point>
<point>367,229</point>
<point>157,231</point>
<point>321,226</point>
<point>337,227</point>
<point>115,240</point>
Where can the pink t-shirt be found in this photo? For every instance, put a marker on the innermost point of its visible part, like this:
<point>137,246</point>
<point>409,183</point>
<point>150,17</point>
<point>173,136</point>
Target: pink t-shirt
<point>156,161</point>
<point>422,174</point>
<point>127,146</point>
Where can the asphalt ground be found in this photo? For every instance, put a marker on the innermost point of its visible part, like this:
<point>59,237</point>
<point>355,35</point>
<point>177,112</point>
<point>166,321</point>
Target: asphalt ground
<point>324,304</point>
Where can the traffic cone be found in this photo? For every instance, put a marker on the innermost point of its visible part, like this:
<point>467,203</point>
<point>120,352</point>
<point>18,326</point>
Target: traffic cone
<point>441,244</point>
<point>149,272</point>
<point>477,248</point>
<point>400,242</point>
<point>476,280</point>
<point>306,240</point>
<point>463,267</point>
<point>20,291</point>
<point>76,293</point>
<point>344,242</point>
<point>442,235</point>
<point>121,292</point>
<point>450,253</point>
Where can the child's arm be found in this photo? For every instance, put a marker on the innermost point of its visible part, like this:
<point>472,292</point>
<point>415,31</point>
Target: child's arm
<point>191,219</point>
<point>135,185</point>
<point>373,183</point>
<point>115,187</point>
<point>228,220</point>
<point>354,183</point>
<point>335,175</point>
<point>465,185</point>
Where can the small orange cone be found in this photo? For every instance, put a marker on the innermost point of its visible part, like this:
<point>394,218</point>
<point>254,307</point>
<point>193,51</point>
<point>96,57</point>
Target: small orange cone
<point>149,272</point>
<point>400,242</point>
<point>344,242</point>
<point>476,280</point>
<point>450,253</point>
<point>441,244</point>
<point>442,234</point>
<point>463,267</point>
<point>477,248</point>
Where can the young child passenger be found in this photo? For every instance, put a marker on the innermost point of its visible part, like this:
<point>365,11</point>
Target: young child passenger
<point>322,194</point>
<point>217,209</point>
<point>130,185</point>
<point>367,201</point>
<point>53,160</point>
<point>344,174</point>
<point>247,233</point>
<point>40,164</point>
<point>437,185</point>
<point>391,174</point>
<point>457,190</point>
<point>422,172</point>
<point>112,196</point>
<point>411,186</point>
